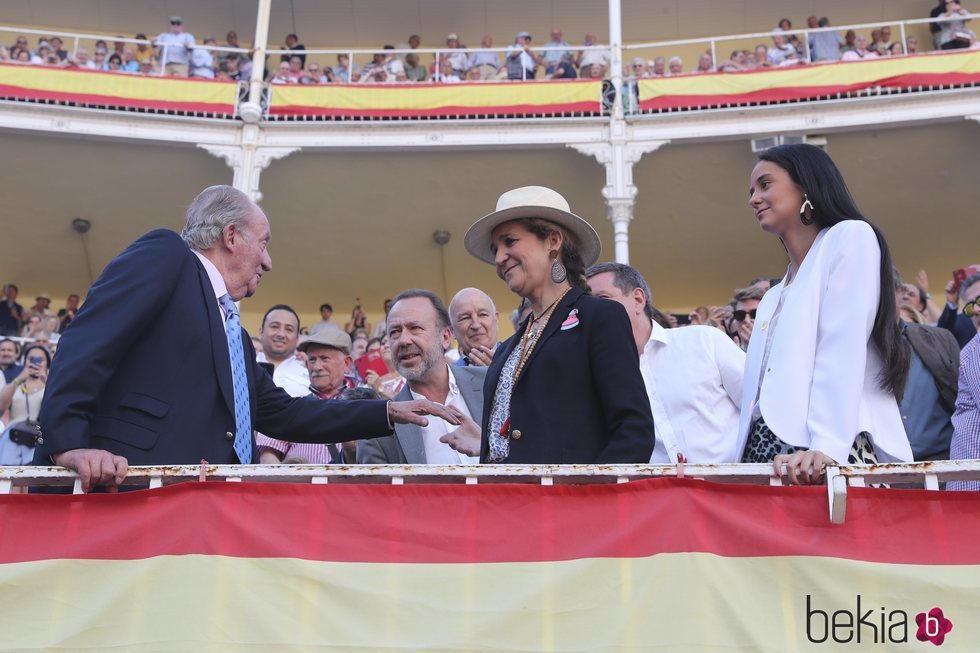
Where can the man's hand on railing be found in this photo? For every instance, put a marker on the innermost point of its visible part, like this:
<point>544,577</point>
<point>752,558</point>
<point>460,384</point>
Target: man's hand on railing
<point>95,467</point>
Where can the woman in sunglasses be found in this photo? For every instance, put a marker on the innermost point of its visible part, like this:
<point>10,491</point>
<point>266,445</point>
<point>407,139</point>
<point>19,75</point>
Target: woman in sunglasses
<point>826,359</point>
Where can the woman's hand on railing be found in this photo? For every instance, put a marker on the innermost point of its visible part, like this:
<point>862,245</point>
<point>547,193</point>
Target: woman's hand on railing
<point>803,467</point>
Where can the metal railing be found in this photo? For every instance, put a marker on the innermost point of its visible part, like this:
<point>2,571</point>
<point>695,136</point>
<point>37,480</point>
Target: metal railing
<point>77,37</point>
<point>440,54</point>
<point>926,475</point>
<point>713,41</point>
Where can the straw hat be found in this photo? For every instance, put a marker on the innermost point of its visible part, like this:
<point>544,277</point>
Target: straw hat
<point>532,202</point>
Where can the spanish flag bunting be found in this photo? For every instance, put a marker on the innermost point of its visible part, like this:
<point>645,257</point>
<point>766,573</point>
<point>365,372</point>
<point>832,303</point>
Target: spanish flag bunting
<point>109,89</point>
<point>796,83</point>
<point>474,99</point>
<point>654,565</point>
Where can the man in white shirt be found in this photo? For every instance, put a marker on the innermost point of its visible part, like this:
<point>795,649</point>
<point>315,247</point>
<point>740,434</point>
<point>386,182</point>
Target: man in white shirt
<point>781,49</point>
<point>457,57</point>
<point>419,334</point>
<point>693,375</point>
<point>522,62</point>
<point>587,60</point>
<point>860,51</point>
<point>279,337</point>
<point>202,60</point>
<point>175,48</point>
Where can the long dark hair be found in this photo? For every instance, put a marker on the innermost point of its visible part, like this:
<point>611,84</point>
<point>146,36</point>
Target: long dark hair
<point>815,173</point>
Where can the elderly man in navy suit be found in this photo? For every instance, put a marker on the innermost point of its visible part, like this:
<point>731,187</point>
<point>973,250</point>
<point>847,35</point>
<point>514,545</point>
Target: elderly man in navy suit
<point>156,369</point>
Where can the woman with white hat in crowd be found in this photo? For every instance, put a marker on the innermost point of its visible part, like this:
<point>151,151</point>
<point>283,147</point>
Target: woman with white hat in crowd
<point>566,388</point>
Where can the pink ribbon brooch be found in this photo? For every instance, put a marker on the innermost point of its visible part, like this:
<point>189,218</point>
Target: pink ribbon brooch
<point>571,321</point>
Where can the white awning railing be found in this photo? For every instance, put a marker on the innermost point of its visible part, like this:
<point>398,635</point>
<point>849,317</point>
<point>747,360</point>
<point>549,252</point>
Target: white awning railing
<point>925,475</point>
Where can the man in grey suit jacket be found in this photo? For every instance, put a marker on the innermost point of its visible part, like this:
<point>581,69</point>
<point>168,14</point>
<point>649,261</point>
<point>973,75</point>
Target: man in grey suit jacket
<point>419,333</point>
<point>929,397</point>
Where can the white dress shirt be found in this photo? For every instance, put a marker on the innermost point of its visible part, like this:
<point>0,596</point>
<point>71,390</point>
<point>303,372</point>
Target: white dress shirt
<point>217,281</point>
<point>694,378</point>
<point>291,375</point>
<point>439,453</point>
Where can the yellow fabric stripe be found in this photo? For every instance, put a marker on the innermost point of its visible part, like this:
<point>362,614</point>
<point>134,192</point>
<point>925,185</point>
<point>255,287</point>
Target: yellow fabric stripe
<point>432,97</point>
<point>810,76</point>
<point>118,85</point>
<point>690,602</point>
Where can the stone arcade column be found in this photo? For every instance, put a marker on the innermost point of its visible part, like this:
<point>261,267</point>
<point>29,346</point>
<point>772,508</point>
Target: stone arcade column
<point>618,157</point>
<point>248,160</point>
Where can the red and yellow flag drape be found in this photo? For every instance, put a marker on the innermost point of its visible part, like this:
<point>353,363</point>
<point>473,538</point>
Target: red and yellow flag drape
<point>796,83</point>
<point>120,90</point>
<point>492,99</point>
<point>657,565</point>
<point>483,99</point>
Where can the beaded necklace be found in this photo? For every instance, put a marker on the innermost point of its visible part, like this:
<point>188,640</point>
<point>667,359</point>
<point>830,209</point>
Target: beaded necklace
<point>531,336</point>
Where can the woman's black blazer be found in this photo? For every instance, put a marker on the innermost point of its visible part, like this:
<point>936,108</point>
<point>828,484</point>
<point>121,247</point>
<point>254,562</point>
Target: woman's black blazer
<point>580,398</point>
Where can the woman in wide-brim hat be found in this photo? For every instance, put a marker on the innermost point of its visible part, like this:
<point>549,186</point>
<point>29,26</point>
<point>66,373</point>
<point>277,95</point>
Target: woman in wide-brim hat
<point>566,388</point>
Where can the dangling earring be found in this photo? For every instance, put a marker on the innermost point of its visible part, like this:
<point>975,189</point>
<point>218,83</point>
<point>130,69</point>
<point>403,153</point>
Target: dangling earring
<point>805,217</point>
<point>558,271</point>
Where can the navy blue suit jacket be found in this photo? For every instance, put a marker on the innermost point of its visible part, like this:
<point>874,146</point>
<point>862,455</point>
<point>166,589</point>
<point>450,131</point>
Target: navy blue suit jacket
<point>143,371</point>
<point>581,397</point>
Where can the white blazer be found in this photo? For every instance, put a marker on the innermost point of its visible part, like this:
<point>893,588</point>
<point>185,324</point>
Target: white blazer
<point>821,385</point>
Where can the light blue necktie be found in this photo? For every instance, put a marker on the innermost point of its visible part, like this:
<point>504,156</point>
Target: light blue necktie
<point>243,426</point>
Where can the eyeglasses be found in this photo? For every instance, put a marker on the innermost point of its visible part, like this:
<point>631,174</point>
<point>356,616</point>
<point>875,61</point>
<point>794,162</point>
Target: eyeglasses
<point>972,308</point>
<point>740,315</point>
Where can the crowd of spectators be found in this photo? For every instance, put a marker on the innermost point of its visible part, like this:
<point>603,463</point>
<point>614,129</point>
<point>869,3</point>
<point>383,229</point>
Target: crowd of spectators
<point>823,45</point>
<point>329,359</point>
<point>175,52</point>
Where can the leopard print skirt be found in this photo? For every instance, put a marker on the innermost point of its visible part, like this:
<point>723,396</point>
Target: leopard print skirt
<point>763,446</point>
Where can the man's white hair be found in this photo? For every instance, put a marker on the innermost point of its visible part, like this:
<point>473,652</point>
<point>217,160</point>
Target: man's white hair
<point>212,210</point>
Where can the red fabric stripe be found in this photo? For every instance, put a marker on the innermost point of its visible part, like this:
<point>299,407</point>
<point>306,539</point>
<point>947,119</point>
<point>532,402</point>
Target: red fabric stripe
<point>783,94</point>
<point>519,109</point>
<point>423,85</point>
<point>21,93</point>
<point>490,523</point>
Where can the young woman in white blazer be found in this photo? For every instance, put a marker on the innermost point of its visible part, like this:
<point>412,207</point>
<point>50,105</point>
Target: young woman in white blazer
<point>826,359</point>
